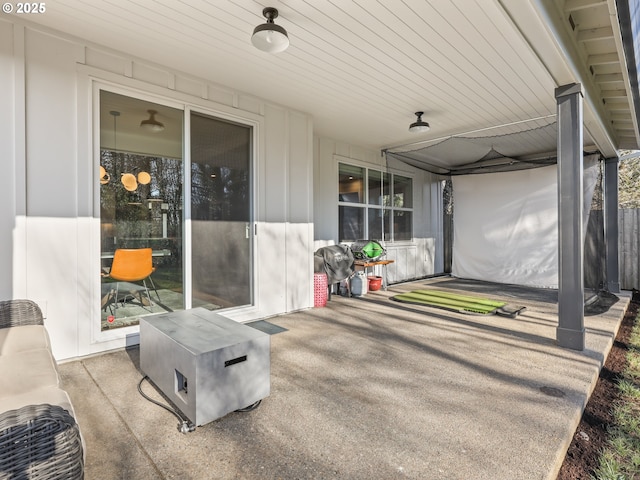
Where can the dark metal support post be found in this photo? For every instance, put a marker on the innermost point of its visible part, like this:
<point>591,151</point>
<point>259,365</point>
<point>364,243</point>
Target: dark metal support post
<point>611,223</point>
<point>570,331</point>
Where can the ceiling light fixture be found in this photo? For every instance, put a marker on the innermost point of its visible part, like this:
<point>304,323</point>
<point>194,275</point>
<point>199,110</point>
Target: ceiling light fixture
<point>151,124</point>
<point>419,126</point>
<point>269,37</point>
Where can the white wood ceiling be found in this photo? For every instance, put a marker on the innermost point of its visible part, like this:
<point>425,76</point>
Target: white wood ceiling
<point>361,68</point>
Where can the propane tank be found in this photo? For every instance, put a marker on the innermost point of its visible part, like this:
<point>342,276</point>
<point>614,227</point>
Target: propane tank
<point>359,284</point>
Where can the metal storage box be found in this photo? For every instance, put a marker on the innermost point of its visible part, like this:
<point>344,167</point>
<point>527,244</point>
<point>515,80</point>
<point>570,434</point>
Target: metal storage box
<point>206,364</point>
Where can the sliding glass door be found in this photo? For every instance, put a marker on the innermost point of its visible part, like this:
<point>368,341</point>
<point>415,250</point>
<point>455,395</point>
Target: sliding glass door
<point>189,213</point>
<point>221,226</point>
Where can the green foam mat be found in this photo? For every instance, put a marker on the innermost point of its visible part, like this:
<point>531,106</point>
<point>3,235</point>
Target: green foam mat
<point>450,301</point>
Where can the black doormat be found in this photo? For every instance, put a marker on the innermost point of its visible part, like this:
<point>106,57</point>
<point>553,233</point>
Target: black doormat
<point>600,303</point>
<point>266,327</point>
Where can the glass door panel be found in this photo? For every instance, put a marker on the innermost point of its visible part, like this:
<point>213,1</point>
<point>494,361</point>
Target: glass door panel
<point>221,223</point>
<point>141,201</point>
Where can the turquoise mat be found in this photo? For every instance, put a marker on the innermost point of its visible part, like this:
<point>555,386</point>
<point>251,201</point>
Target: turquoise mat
<point>451,301</point>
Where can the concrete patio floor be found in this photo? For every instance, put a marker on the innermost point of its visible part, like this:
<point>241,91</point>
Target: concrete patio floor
<point>367,388</point>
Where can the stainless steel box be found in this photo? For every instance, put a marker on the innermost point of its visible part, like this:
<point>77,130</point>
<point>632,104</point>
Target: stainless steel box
<point>206,364</point>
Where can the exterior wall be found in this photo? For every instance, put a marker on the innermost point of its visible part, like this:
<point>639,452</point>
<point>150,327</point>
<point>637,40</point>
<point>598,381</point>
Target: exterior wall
<point>11,181</point>
<point>418,258</point>
<point>48,226</point>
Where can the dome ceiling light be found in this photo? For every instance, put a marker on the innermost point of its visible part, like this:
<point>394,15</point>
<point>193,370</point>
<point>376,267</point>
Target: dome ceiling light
<point>151,124</point>
<point>419,126</point>
<point>269,37</point>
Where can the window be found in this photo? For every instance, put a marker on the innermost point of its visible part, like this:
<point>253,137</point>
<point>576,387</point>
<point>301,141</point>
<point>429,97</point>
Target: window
<point>381,211</point>
<point>402,204</point>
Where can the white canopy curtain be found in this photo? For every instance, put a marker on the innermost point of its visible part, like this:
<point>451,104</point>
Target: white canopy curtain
<point>506,224</point>
<point>521,145</point>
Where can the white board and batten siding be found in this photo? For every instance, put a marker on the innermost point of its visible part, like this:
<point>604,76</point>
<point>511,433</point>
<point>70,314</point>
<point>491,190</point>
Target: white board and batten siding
<point>51,239</point>
<point>411,261</point>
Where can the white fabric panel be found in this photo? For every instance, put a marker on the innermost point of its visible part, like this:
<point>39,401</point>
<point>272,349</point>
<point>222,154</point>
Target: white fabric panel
<point>589,182</point>
<point>505,227</point>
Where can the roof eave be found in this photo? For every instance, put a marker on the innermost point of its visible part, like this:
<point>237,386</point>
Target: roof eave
<point>632,61</point>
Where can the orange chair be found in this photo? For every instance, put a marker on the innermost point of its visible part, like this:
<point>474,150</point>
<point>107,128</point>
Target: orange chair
<point>132,265</point>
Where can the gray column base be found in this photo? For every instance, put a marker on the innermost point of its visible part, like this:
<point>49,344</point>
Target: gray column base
<point>573,339</point>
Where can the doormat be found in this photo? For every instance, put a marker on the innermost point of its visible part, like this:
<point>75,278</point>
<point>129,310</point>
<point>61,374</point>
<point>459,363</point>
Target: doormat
<point>266,327</point>
<point>459,303</point>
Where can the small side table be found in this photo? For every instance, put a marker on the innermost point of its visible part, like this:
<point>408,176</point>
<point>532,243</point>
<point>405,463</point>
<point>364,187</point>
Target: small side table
<point>370,264</point>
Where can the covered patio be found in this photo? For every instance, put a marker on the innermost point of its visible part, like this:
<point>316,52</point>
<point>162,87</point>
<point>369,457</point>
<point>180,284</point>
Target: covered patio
<point>368,388</point>
<point>323,131</point>
<point>256,160</point>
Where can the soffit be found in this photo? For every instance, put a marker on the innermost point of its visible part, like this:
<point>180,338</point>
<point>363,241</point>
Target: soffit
<point>580,41</point>
<point>360,68</point>
<point>594,28</point>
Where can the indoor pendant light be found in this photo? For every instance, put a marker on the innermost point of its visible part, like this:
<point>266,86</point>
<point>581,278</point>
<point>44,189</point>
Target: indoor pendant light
<point>419,126</point>
<point>151,124</point>
<point>269,37</point>
<point>144,178</point>
<point>129,181</point>
<point>104,176</point>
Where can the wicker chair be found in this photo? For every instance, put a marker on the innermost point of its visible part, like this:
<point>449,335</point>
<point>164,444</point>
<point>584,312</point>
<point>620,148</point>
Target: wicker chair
<point>40,442</point>
<point>37,440</point>
<point>15,313</point>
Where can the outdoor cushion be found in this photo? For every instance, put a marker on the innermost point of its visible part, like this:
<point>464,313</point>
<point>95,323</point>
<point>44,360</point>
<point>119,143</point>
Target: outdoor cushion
<point>24,371</point>
<point>20,339</point>
<point>39,429</point>
<point>45,395</point>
